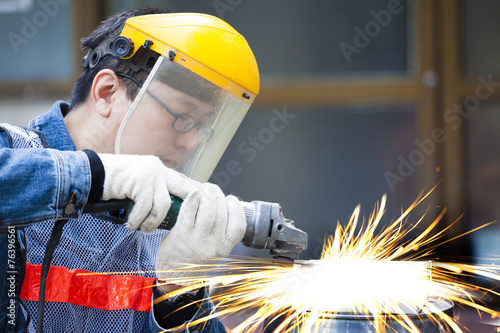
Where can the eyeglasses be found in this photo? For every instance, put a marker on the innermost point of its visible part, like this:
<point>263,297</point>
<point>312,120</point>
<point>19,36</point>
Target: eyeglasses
<point>182,122</point>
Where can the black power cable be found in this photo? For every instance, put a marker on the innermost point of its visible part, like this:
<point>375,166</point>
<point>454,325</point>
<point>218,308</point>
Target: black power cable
<point>54,239</point>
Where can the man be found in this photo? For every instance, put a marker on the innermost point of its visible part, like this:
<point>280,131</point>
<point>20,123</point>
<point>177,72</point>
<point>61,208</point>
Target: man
<point>159,99</point>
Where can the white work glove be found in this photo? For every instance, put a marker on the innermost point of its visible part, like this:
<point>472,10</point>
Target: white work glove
<point>146,181</point>
<point>209,225</point>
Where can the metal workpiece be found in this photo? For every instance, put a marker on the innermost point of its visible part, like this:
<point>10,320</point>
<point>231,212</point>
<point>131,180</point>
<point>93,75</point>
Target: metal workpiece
<point>429,320</point>
<point>267,228</point>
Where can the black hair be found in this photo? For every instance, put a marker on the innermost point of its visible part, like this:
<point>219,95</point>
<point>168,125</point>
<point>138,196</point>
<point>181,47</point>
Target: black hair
<point>109,28</point>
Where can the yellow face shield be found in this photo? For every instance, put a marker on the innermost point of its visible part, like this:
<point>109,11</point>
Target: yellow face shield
<point>202,84</point>
<point>184,119</point>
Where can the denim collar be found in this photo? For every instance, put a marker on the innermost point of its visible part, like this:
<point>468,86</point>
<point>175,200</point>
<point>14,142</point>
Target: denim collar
<point>52,125</point>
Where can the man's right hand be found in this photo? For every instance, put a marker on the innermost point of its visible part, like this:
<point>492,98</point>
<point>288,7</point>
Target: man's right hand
<point>146,181</point>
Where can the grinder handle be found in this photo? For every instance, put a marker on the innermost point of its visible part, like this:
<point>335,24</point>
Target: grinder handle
<point>125,206</point>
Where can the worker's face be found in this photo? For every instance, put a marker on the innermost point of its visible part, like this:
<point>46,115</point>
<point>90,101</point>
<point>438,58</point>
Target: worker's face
<point>150,130</point>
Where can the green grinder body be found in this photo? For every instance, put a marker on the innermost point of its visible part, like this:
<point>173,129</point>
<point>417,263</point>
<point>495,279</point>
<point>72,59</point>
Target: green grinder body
<point>171,218</point>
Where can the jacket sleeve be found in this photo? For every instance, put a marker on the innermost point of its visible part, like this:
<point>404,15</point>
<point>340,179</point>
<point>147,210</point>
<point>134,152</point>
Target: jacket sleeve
<point>209,326</point>
<point>41,184</point>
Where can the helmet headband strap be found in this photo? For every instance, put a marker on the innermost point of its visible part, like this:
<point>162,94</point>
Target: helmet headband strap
<point>121,47</point>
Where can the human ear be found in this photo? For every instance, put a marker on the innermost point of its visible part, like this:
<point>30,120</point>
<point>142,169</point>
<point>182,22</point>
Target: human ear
<point>104,86</point>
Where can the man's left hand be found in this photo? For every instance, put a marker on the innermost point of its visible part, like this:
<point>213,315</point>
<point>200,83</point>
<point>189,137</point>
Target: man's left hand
<point>209,225</point>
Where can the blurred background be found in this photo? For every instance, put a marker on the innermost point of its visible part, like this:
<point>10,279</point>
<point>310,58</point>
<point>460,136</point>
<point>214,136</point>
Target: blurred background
<point>358,99</point>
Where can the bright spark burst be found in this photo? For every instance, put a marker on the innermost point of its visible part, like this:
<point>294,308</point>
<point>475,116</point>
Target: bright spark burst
<point>380,275</point>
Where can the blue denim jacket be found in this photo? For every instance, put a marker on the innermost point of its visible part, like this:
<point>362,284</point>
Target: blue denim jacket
<point>36,185</point>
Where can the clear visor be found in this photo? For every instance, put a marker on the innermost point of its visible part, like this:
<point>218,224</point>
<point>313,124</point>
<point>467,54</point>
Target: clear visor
<point>182,118</point>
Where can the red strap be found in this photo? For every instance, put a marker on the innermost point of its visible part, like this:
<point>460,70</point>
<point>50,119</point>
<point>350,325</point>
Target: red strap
<point>94,290</point>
